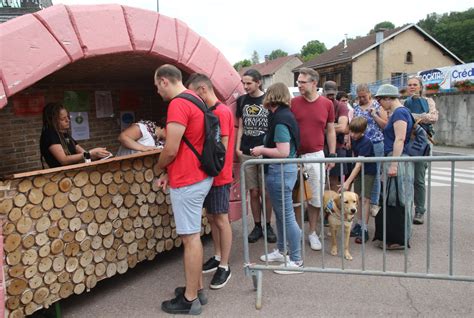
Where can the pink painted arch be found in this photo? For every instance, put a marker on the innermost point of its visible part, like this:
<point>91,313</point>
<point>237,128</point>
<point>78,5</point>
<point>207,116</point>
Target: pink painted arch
<point>36,45</point>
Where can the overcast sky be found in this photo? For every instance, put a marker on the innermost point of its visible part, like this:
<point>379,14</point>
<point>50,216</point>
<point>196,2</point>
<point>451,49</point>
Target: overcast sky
<point>238,27</point>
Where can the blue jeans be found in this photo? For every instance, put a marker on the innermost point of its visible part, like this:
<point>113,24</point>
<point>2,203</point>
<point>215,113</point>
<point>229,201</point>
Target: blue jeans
<point>375,194</point>
<point>283,207</point>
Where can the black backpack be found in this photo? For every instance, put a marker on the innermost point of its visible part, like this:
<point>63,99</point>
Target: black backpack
<point>418,144</point>
<point>212,158</point>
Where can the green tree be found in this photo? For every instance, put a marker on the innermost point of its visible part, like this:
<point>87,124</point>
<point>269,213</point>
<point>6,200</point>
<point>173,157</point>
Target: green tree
<point>312,49</point>
<point>276,54</point>
<point>255,58</point>
<point>383,25</point>
<point>241,64</point>
<point>454,30</point>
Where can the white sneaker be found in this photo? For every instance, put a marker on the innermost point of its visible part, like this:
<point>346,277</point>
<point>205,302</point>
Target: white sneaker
<point>314,242</point>
<point>290,265</point>
<point>274,256</point>
<point>374,209</point>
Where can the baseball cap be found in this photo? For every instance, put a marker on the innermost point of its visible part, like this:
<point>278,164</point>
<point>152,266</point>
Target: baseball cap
<point>330,87</point>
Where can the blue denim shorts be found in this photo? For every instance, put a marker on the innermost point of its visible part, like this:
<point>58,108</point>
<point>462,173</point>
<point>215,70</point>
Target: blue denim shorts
<point>217,200</point>
<point>187,205</point>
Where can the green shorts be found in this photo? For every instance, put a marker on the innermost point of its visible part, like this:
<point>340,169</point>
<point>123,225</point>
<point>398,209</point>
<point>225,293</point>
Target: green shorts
<point>368,185</point>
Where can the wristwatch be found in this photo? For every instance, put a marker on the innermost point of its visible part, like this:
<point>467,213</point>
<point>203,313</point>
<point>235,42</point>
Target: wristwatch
<point>332,155</point>
<point>87,156</point>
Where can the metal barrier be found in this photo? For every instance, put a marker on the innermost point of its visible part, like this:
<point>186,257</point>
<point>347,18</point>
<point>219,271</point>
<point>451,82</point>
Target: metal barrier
<point>255,269</point>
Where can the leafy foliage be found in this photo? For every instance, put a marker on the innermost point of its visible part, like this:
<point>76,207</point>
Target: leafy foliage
<point>454,30</point>
<point>255,58</point>
<point>383,25</point>
<point>312,49</point>
<point>276,54</point>
<point>241,64</point>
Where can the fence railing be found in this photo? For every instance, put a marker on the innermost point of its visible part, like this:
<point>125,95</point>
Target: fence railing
<point>420,267</point>
<point>398,81</point>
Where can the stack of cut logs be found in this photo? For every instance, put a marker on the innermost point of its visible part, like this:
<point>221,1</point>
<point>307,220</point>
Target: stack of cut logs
<point>66,231</point>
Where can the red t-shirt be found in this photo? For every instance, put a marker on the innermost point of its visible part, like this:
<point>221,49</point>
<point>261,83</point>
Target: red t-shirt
<point>185,169</point>
<point>312,118</point>
<point>340,110</point>
<point>226,121</point>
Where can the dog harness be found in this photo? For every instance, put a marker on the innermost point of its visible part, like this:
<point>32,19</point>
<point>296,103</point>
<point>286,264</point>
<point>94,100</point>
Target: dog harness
<point>330,207</point>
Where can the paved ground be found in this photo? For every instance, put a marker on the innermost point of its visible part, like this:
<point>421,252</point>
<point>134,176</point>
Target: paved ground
<point>448,150</point>
<point>140,291</point>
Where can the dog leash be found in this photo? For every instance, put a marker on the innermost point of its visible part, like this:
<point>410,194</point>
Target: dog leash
<point>328,181</point>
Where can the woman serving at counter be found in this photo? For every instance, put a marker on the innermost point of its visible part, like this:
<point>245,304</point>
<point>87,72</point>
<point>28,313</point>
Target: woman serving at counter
<point>57,146</point>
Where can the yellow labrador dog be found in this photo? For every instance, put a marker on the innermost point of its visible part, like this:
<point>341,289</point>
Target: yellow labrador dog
<point>332,203</point>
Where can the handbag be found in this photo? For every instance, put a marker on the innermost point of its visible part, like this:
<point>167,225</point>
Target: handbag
<point>307,192</point>
<point>395,218</point>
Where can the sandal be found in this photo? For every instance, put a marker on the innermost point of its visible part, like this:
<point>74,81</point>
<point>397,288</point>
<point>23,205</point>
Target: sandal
<point>390,246</point>
<point>395,246</point>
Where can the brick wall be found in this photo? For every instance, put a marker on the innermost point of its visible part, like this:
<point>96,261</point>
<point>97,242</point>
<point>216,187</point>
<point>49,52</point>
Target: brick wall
<point>19,141</point>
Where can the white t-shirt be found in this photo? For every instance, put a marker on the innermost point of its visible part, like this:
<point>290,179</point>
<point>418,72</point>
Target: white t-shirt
<point>146,140</point>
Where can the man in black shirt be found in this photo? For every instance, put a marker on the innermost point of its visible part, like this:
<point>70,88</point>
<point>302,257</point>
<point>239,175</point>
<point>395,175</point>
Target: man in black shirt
<point>253,125</point>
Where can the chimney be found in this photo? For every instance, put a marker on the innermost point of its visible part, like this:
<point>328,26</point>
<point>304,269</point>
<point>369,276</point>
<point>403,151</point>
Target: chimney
<point>379,35</point>
<point>345,40</point>
<point>266,58</point>
<point>380,62</point>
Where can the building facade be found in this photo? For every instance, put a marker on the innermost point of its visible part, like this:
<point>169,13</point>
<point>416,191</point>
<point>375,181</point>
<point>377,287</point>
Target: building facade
<point>277,70</point>
<point>388,54</point>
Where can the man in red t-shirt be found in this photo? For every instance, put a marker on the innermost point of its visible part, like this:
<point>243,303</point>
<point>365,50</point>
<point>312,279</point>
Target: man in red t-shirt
<point>315,115</point>
<point>217,200</point>
<point>189,184</point>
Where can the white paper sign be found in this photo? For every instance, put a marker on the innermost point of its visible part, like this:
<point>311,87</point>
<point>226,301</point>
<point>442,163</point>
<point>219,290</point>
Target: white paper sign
<point>80,125</point>
<point>103,104</point>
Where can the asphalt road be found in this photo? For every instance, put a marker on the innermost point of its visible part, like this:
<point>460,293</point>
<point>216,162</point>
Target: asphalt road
<point>140,291</point>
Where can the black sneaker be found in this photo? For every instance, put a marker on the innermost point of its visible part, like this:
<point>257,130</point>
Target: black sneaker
<point>271,237</point>
<point>221,277</point>
<point>180,305</point>
<point>211,265</point>
<point>365,233</point>
<point>202,297</point>
<point>256,233</point>
<point>356,231</point>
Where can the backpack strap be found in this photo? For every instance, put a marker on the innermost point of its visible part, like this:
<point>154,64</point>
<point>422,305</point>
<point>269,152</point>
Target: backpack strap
<point>416,122</point>
<point>199,104</point>
<point>215,106</point>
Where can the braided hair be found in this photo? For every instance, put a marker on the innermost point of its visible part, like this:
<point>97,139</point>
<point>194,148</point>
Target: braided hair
<point>51,122</point>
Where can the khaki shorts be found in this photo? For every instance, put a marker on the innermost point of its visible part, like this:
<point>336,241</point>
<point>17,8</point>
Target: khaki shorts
<point>252,173</point>
<point>368,185</point>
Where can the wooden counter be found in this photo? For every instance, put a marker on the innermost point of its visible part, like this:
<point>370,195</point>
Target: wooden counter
<point>67,228</point>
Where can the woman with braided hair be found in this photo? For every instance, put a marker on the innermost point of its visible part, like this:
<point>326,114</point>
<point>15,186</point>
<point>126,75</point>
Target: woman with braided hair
<point>57,146</point>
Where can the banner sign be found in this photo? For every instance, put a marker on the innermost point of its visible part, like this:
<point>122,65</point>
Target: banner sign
<point>449,78</point>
